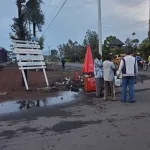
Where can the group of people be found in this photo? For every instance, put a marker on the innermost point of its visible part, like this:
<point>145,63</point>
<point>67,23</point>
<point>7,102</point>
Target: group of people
<point>106,71</point>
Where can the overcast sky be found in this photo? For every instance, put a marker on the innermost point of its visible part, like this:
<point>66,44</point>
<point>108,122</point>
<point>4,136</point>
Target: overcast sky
<point>119,18</point>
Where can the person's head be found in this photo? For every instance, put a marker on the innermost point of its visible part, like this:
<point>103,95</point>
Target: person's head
<point>99,56</point>
<point>128,52</point>
<point>108,57</point>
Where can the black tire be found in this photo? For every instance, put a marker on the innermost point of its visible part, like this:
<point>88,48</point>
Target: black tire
<point>145,67</point>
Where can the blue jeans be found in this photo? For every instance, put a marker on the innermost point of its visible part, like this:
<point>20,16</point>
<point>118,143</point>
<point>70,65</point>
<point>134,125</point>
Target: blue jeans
<point>128,81</point>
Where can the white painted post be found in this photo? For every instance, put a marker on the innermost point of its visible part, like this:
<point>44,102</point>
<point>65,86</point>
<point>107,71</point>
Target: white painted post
<point>25,80</point>
<point>45,77</point>
<point>99,27</point>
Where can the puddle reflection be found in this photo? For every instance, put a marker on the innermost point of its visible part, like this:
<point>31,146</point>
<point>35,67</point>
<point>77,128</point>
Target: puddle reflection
<point>14,106</point>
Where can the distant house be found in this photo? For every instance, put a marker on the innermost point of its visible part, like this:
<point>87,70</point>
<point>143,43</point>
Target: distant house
<point>3,55</point>
<point>116,44</point>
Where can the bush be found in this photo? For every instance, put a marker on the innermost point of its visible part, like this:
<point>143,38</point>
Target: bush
<point>68,60</point>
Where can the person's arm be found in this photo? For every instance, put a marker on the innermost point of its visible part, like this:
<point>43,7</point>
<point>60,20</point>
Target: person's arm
<point>113,66</point>
<point>120,67</point>
<point>136,68</point>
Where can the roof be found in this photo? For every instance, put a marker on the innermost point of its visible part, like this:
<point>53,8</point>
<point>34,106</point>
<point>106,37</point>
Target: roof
<point>116,42</point>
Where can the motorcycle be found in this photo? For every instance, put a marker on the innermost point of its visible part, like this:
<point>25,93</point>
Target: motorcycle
<point>143,65</point>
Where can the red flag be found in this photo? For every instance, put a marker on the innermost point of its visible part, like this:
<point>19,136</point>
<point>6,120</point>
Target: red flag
<point>88,65</point>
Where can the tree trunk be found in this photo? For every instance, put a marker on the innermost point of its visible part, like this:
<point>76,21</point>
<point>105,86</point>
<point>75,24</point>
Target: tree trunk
<point>21,35</point>
<point>34,29</point>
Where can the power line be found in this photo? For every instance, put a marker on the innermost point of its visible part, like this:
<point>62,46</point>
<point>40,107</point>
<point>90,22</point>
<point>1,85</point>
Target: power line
<point>55,16</point>
<point>53,11</point>
<point>131,26</point>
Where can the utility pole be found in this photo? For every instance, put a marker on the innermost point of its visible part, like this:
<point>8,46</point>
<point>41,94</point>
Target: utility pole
<point>149,25</point>
<point>49,48</point>
<point>99,27</point>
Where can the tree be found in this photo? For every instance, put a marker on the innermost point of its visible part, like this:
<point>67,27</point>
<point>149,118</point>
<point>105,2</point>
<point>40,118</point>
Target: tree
<point>91,37</point>
<point>19,28</point>
<point>72,51</point>
<point>135,44</point>
<point>135,41</point>
<point>34,14</point>
<point>133,34</point>
<point>41,42</point>
<point>106,47</point>
<point>128,43</point>
<point>54,52</point>
<point>144,48</point>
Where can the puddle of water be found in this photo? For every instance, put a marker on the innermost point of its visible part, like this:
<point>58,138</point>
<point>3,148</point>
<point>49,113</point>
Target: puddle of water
<point>14,106</point>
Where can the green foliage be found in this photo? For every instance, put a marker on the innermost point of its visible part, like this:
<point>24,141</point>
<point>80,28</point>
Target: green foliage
<point>71,51</point>
<point>19,29</point>
<point>91,37</point>
<point>54,52</point>
<point>41,42</point>
<point>34,14</point>
<point>128,43</point>
<point>135,45</point>
<point>106,47</point>
<point>132,44</point>
<point>145,48</point>
<point>118,51</point>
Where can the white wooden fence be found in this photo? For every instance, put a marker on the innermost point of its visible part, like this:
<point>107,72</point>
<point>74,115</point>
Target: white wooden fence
<point>29,56</point>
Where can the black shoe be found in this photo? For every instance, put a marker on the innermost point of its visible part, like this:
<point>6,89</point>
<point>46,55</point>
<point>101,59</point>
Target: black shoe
<point>132,101</point>
<point>101,96</point>
<point>123,101</point>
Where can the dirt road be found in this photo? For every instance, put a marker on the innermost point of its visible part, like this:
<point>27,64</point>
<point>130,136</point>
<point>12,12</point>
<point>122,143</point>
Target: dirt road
<point>85,124</point>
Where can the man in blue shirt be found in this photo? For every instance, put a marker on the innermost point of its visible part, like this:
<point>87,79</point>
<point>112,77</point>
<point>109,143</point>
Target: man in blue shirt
<point>98,74</point>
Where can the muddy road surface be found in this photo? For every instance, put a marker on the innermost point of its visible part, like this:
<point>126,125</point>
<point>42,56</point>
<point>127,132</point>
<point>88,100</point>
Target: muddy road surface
<point>85,123</point>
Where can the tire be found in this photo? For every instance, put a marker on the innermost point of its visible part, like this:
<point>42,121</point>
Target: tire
<point>145,67</point>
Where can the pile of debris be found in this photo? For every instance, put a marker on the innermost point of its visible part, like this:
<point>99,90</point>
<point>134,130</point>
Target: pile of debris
<point>65,84</point>
<point>70,84</point>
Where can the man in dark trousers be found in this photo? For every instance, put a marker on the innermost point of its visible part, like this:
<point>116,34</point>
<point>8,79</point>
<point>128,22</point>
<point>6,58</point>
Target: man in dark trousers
<point>63,63</point>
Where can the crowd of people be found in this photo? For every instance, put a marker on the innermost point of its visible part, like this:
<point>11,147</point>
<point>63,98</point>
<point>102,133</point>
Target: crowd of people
<point>105,72</point>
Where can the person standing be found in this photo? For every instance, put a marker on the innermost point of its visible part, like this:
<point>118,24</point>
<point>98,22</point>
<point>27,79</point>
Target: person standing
<point>129,68</point>
<point>109,72</point>
<point>98,74</point>
<point>148,60</point>
<point>63,63</point>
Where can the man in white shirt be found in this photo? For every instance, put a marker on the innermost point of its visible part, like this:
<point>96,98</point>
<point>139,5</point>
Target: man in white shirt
<point>98,74</point>
<point>129,68</point>
<point>109,69</point>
